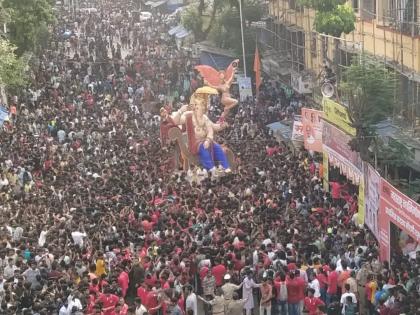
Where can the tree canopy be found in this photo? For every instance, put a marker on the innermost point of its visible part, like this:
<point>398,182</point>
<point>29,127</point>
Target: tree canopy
<point>28,22</point>
<point>12,68</point>
<point>332,17</point>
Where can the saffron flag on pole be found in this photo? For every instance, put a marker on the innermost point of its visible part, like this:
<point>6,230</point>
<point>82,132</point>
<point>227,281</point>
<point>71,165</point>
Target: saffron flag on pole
<point>257,69</point>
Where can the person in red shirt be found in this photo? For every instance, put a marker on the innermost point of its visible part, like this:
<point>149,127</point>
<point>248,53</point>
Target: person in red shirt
<point>218,271</point>
<point>322,277</point>
<point>335,192</point>
<point>109,302</point>
<point>295,292</point>
<point>332,282</point>
<point>122,308</point>
<point>312,303</point>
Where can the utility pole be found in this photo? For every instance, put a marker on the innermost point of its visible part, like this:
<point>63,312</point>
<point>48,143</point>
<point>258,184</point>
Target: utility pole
<point>242,35</point>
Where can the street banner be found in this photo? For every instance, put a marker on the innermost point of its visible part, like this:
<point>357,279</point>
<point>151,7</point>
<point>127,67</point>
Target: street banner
<point>372,189</point>
<point>404,213</point>
<point>338,115</point>
<point>297,133</point>
<point>338,141</point>
<point>312,129</point>
<point>245,88</point>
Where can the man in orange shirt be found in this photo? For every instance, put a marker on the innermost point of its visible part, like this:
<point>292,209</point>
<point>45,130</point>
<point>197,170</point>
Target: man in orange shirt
<point>266,296</point>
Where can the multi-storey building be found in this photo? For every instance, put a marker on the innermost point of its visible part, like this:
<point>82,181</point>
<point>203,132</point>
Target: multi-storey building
<point>386,29</point>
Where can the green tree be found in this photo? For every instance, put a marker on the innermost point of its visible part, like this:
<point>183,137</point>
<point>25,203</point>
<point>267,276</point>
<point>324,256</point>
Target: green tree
<point>198,20</point>
<point>29,20</point>
<point>228,33</point>
<point>4,15</point>
<point>368,88</point>
<point>332,17</point>
<point>12,68</point>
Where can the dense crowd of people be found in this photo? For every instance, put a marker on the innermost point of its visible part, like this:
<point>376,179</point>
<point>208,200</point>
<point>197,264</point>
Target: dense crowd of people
<point>94,222</point>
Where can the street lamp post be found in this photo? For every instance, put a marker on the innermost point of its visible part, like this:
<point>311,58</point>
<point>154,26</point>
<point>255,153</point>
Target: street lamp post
<point>242,35</point>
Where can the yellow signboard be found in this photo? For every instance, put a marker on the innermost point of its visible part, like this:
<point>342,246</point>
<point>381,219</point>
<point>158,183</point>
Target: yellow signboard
<point>338,115</point>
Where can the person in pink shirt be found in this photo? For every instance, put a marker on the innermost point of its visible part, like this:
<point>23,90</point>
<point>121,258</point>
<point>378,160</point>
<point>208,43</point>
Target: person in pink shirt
<point>123,281</point>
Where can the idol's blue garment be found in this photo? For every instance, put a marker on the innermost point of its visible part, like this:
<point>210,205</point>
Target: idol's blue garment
<point>208,159</point>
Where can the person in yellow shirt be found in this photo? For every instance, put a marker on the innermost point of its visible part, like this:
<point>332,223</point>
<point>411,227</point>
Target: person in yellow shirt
<point>371,287</point>
<point>100,265</point>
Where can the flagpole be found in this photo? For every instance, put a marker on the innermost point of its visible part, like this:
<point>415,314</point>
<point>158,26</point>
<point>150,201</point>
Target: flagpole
<point>242,35</point>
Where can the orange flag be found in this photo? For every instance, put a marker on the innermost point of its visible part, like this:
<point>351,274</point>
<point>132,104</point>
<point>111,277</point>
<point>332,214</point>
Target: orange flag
<point>257,69</point>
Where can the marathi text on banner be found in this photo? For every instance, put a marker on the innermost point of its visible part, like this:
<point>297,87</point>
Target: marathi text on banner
<point>338,115</point>
<point>403,212</point>
<point>312,129</point>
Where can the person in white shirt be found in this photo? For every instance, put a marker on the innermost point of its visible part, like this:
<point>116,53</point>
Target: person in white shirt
<point>140,308</point>
<point>43,237</point>
<point>314,284</point>
<point>191,302</point>
<point>344,296</point>
<point>9,270</point>
<point>78,238</point>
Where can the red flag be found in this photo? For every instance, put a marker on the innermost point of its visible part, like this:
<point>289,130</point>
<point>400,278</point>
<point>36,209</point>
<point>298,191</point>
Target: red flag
<point>257,69</point>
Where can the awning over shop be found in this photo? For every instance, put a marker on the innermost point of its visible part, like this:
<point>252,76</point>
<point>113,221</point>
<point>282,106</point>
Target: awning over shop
<point>155,4</point>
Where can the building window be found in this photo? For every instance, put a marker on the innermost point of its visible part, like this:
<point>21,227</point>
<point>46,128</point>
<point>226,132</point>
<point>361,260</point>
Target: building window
<point>355,4</point>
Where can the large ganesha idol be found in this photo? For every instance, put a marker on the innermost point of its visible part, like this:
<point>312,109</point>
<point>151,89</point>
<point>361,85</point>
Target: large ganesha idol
<point>197,144</point>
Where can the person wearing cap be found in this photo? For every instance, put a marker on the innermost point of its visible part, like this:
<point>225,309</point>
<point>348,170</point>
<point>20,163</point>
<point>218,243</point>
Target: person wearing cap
<point>229,288</point>
<point>236,305</point>
<point>218,303</point>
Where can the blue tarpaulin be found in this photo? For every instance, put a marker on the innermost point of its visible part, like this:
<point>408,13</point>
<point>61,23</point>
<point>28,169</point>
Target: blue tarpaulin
<point>216,61</point>
<point>282,130</point>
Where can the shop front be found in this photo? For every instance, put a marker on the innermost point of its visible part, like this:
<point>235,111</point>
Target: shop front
<point>398,223</point>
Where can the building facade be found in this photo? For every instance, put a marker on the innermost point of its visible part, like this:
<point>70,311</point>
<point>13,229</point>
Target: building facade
<point>386,29</point>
